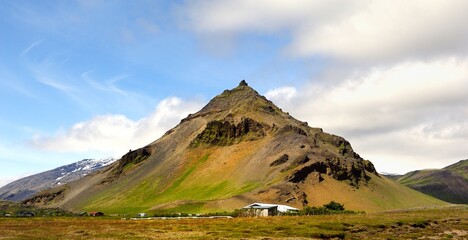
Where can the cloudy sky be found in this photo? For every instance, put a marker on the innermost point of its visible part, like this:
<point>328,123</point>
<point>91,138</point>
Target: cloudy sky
<point>90,79</point>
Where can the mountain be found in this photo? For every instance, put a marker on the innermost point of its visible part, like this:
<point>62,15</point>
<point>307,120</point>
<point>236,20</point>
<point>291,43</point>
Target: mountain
<point>392,176</point>
<point>449,184</point>
<point>24,188</point>
<point>238,149</point>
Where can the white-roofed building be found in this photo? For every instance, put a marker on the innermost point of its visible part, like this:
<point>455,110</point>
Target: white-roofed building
<point>266,209</point>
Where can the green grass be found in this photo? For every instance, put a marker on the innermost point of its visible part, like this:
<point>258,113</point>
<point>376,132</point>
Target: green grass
<point>150,192</point>
<point>128,166</point>
<point>191,207</point>
<point>187,172</point>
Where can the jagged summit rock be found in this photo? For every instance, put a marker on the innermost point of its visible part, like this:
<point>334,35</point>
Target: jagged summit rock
<point>238,149</point>
<point>243,83</point>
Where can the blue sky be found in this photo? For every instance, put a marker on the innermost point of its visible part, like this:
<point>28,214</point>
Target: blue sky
<point>90,79</point>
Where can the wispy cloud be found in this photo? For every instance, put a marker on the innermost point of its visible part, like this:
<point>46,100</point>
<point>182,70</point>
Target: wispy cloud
<point>12,82</point>
<point>33,45</point>
<point>109,85</point>
<point>87,91</point>
<point>61,86</point>
<point>47,73</point>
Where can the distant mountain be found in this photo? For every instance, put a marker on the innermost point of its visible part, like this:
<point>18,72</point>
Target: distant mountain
<point>26,187</point>
<point>238,149</point>
<point>449,184</point>
<point>392,176</point>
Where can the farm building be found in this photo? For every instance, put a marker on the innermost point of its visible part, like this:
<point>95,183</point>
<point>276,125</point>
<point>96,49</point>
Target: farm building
<point>96,214</point>
<point>265,209</point>
<point>142,215</point>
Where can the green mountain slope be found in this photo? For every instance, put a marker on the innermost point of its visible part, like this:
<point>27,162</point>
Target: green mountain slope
<point>449,184</point>
<point>460,168</point>
<point>240,148</point>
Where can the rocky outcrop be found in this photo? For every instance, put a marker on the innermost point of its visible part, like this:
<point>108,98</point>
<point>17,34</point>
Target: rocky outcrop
<point>134,157</point>
<point>223,133</point>
<point>293,129</point>
<point>284,158</point>
<point>352,171</point>
<point>127,161</point>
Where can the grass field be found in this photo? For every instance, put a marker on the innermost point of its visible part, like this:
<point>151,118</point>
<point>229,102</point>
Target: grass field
<point>447,223</point>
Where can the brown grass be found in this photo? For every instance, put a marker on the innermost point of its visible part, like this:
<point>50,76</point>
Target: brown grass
<point>446,223</point>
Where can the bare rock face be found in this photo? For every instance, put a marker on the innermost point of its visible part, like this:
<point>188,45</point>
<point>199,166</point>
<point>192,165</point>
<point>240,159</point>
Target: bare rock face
<point>354,172</point>
<point>291,128</point>
<point>284,158</point>
<point>133,157</point>
<point>222,133</point>
<point>127,162</point>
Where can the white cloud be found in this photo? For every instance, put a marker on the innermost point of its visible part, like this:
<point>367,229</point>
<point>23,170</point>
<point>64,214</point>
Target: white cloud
<point>115,134</point>
<point>281,94</point>
<point>355,30</point>
<point>390,30</point>
<point>413,113</point>
<point>234,16</point>
<point>427,87</point>
<point>395,78</point>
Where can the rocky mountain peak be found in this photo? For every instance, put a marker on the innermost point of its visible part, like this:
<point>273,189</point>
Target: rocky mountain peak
<point>239,147</point>
<point>244,102</point>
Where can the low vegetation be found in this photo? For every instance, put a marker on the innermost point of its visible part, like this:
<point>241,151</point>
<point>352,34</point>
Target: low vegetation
<point>328,209</point>
<point>13,209</point>
<point>445,223</point>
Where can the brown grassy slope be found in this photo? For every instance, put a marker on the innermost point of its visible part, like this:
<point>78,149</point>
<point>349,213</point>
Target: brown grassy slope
<point>238,149</point>
<point>427,224</point>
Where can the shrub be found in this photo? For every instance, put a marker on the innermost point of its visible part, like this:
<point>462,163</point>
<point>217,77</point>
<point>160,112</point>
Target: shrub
<point>334,206</point>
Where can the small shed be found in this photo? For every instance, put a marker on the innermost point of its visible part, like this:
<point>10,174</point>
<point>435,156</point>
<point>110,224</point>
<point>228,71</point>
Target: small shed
<point>141,215</point>
<point>96,214</point>
<point>266,209</point>
<point>25,214</point>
